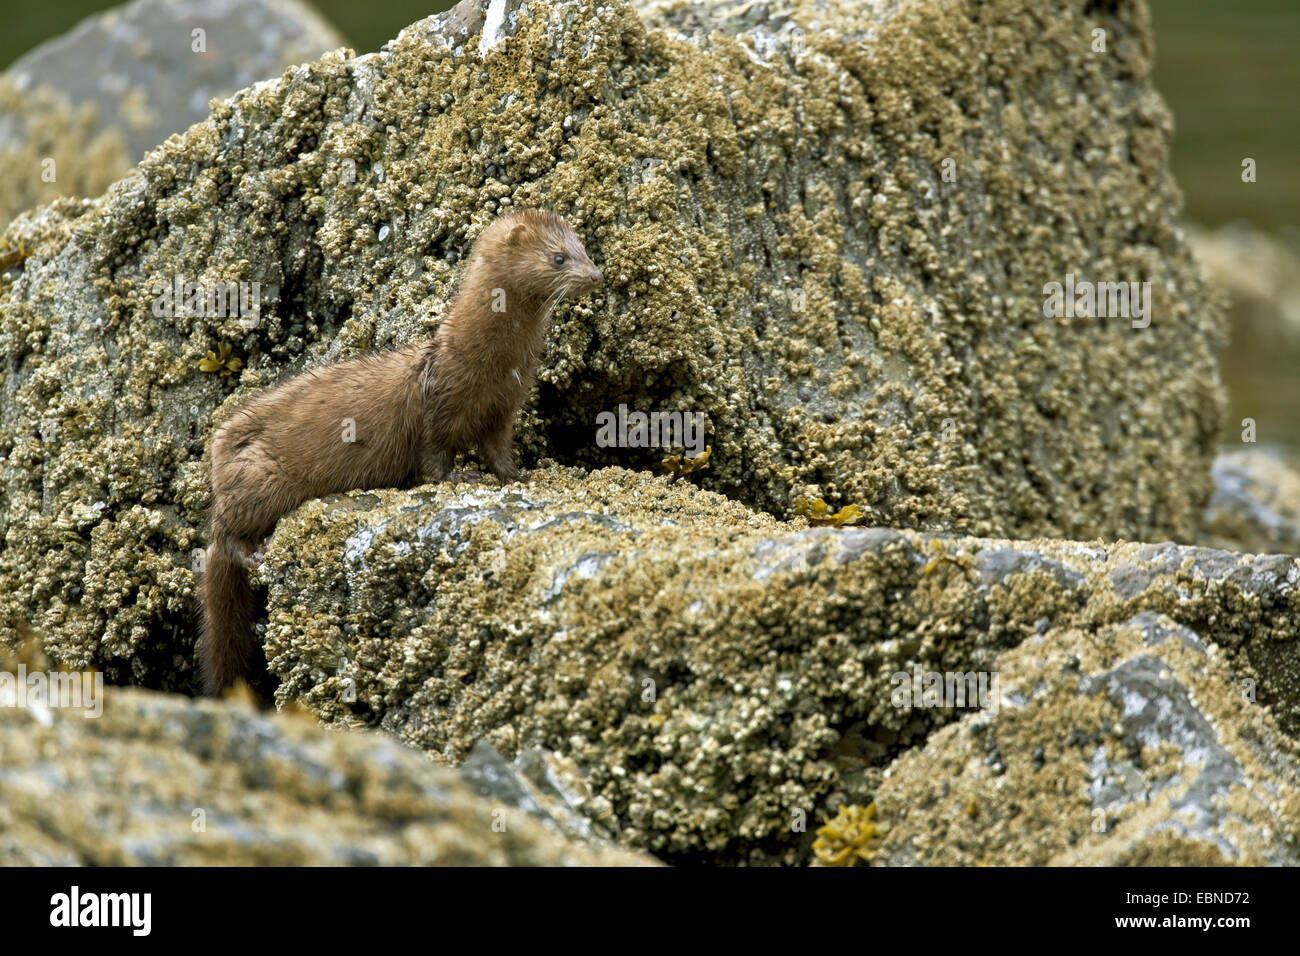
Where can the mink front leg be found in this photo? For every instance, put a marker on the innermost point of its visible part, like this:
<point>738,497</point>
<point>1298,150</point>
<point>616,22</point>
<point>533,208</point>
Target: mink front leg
<point>435,462</point>
<point>498,449</point>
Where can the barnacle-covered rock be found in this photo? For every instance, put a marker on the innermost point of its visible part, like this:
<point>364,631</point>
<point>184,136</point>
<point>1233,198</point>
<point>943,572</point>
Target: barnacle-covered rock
<point>826,226</point>
<point>716,676</point>
<point>1133,744</point>
<point>160,780</point>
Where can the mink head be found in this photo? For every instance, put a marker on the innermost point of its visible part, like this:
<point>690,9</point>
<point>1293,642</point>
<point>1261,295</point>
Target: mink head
<point>540,255</point>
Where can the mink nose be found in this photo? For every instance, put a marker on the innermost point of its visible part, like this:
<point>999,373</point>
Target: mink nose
<point>596,276</point>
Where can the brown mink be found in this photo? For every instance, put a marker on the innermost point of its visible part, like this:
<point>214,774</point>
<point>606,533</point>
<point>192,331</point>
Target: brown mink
<point>390,419</point>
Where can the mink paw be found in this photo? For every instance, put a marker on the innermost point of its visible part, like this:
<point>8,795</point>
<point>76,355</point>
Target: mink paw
<point>468,476</point>
<point>253,560</point>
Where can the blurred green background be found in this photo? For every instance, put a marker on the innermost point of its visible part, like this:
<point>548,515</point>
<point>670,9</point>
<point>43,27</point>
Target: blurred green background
<point>1229,69</point>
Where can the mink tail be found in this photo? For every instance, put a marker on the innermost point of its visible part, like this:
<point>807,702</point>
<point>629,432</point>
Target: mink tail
<point>229,646</point>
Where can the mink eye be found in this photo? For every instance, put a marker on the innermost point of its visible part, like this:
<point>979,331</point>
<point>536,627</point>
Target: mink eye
<point>559,259</point>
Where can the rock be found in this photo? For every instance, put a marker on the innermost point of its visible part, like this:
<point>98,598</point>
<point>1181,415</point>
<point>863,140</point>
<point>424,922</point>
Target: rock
<point>103,94</point>
<point>160,780</point>
<point>715,675</point>
<point>1258,276</point>
<point>1259,273</point>
<point>1256,503</point>
<point>1118,747</point>
<point>544,785</point>
<point>794,268</point>
<point>147,72</point>
<point>38,126</point>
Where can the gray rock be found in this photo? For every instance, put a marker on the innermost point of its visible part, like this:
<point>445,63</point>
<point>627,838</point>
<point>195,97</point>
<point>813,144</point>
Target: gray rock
<point>160,780</point>
<point>1256,502</point>
<point>1139,757</point>
<point>146,73</point>
<point>544,785</point>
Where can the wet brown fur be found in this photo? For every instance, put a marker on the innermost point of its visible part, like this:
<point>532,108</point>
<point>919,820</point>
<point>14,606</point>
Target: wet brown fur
<point>414,409</point>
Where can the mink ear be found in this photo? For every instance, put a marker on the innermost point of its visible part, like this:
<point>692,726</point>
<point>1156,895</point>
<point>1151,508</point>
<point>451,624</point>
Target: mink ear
<point>516,235</point>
